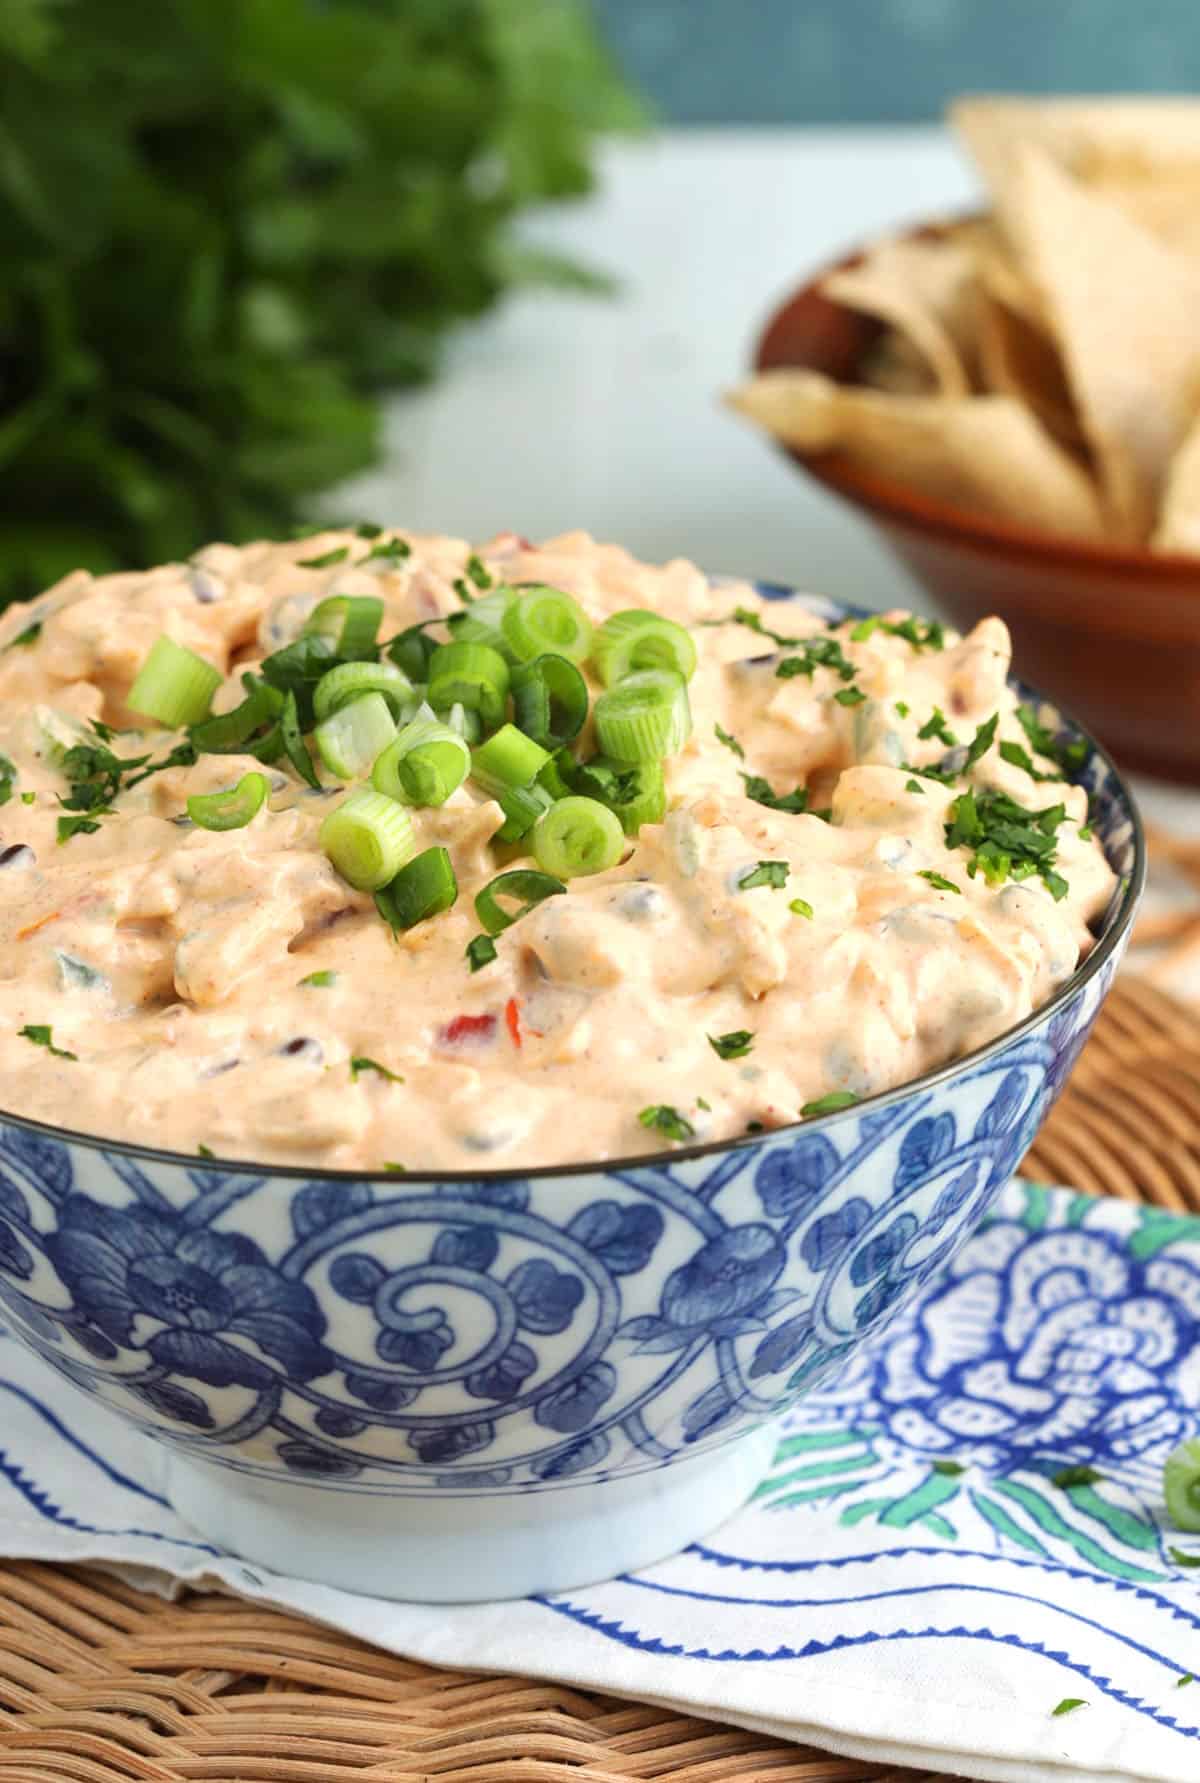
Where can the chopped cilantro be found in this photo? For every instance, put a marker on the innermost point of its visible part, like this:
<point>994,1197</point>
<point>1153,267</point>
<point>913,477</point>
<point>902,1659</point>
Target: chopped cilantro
<point>481,952</point>
<point>1086,832</point>
<point>914,786</point>
<point>816,653</point>
<point>922,634</point>
<point>1187,1678</point>
<point>27,798</point>
<point>1006,840</point>
<point>759,790</point>
<point>367,529</point>
<point>1018,757</point>
<point>24,639</point>
<point>829,1104</point>
<point>944,776</point>
<point>752,621</point>
<point>938,882</point>
<point>326,560</point>
<point>478,572</point>
<point>734,1045</point>
<point>1075,1476</point>
<point>1069,756</point>
<point>949,1468</point>
<point>801,907</point>
<point>96,776</point>
<point>1067,1704</point>
<point>982,741</point>
<point>359,1065</point>
<point>206,1151</point>
<point>770,873</point>
<point>935,726</point>
<point>8,774</point>
<point>849,696</point>
<point>903,708</point>
<point>320,980</point>
<point>391,551</point>
<point>396,1169</point>
<point>723,736</point>
<point>701,1103</point>
<point>38,1035</point>
<point>660,1117</point>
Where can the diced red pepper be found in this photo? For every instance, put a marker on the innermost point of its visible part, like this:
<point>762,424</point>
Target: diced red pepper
<point>466,1028</point>
<point>512,1015</point>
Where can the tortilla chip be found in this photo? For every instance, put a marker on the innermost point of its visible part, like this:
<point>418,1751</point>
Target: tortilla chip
<point>997,270</point>
<point>1167,205</point>
<point>1125,312</point>
<point>1018,358</point>
<point>986,454</point>
<point>1179,523</point>
<point>1096,138</point>
<point>923,288</point>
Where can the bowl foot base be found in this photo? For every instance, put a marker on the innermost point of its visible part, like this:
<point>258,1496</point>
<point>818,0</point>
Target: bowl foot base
<point>448,1548</point>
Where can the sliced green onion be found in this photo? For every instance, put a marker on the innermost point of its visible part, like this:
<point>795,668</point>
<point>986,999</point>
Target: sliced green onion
<point>480,623</point>
<point>470,675</point>
<point>507,759</point>
<point>424,764</point>
<point>411,650</point>
<point>636,791</point>
<point>550,700</point>
<point>350,680</point>
<point>293,742</point>
<point>543,619</point>
<point>368,838</point>
<point>552,775</point>
<point>350,622</point>
<point>577,836</point>
<point>480,951</point>
<point>248,728</point>
<point>523,884</point>
<point>423,888</point>
<point>1181,1485</point>
<point>645,717</point>
<point>637,639</point>
<point>522,806</point>
<point>465,722</point>
<point>232,808</point>
<point>173,685</point>
<point>349,741</point>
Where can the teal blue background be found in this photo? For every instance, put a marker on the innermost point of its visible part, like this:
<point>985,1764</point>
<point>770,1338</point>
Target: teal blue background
<point>887,61</point>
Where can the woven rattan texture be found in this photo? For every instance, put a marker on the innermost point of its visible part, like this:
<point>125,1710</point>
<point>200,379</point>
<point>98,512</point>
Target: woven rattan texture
<point>101,1685</point>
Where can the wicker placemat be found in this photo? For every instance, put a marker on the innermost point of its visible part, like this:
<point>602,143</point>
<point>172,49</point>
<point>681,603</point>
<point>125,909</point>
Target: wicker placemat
<point>99,1684</point>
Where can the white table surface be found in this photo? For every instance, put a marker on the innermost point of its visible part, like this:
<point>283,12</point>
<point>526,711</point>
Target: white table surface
<point>562,410</point>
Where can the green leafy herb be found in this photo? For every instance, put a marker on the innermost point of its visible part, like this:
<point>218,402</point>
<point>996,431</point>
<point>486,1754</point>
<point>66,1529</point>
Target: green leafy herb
<point>903,708</point>
<point>42,1036</point>
<point>359,1065</point>
<point>1187,1678</point>
<point>723,736</point>
<point>24,639</point>
<point>27,798</point>
<point>801,907</point>
<point>205,1151</point>
<point>390,551</point>
<point>849,696</point>
<point>755,1127</point>
<point>1069,756</point>
<point>753,622</point>
<point>816,653</point>
<point>981,742</point>
<point>771,873</point>
<point>914,786</point>
<point>313,195</point>
<point>701,1103</point>
<point>949,1468</point>
<point>338,555</point>
<point>1018,757</point>
<point>734,1045</point>
<point>1086,832</point>
<point>1005,840</point>
<point>8,775</point>
<point>935,726</point>
<point>1068,1704</point>
<point>660,1117</point>
<point>367,529</point>
<point>938,882</point>
<point>96,777</point>
<point>1067,1477</point>
<point>481,952</point>
<point>922,634</point>
<point>396,1169</point>
<point>944,776</point>
<point>829,1104</point>
<point>478,571</point>
<point>759,790</point>
<point>320,980</point>
<point>1177,1554</point>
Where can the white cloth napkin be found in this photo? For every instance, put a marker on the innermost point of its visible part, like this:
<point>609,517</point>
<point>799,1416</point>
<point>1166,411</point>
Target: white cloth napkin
<point>910,1584</point>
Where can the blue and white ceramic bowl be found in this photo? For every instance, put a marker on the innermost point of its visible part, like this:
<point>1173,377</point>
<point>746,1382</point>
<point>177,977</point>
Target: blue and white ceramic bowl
<point>469,1387</point>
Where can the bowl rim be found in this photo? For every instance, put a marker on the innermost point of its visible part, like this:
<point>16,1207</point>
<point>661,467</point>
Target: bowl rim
<point>1176,570</point>
<point>1129,893</point>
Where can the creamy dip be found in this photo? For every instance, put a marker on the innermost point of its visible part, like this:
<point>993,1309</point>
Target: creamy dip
<point>211,992</point>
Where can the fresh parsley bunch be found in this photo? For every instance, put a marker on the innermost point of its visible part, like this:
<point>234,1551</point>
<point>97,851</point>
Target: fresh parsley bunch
<point>224,224</point>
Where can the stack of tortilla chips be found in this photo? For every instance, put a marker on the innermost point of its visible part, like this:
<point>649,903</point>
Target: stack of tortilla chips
<point>1040,364</point>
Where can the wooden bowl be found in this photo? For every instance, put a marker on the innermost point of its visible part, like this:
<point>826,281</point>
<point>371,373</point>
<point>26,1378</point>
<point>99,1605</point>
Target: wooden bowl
<point>1113,633</point>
